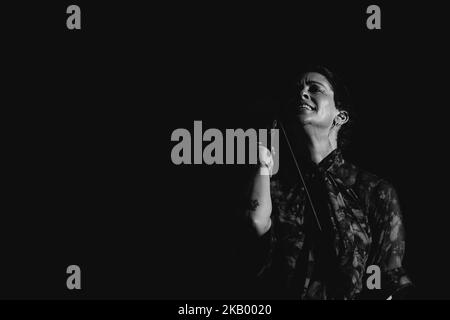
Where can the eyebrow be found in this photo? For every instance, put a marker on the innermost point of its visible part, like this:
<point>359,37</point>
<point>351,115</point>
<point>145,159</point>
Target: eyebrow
<point>319,83</point>
<point>299,83</point>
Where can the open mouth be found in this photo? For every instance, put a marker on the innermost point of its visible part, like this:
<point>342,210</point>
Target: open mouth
<point>305,106</point>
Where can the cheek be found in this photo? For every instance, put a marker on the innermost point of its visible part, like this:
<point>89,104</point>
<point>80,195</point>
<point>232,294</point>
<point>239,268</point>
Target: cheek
<point>327,108</point>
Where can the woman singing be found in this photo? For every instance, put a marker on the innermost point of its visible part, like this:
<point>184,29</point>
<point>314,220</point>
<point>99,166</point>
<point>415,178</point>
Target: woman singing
<point>318,241</point>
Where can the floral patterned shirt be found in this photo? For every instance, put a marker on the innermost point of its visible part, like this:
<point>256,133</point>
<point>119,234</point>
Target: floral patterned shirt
<point>361,225</point>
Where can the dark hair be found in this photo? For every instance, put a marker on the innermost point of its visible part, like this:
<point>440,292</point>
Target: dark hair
<point>341,99</point>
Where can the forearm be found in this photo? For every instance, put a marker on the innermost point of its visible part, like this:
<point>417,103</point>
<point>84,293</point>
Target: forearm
<point>260,201</point>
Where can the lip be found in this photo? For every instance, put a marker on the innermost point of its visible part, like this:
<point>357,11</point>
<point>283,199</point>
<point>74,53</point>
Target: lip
<point>306,106</point>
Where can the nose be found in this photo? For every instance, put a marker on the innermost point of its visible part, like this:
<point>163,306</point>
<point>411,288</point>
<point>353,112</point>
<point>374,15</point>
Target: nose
<point>304,94</point>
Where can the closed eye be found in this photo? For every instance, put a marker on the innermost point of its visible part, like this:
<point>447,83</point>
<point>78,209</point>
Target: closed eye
<point>315,88</point>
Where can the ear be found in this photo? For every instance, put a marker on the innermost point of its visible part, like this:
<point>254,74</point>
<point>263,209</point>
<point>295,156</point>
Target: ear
<point>341,118</point>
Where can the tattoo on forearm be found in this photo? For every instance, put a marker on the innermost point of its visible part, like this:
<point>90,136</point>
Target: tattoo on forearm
<point>253,204</point>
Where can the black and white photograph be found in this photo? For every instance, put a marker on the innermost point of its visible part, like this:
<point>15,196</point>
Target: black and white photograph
<point>213,152</point>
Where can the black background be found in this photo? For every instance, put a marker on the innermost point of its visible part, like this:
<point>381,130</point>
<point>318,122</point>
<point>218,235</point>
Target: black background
<point>89,114</point>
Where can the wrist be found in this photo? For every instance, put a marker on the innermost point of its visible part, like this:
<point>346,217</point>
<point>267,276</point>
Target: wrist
<point>264,170</point>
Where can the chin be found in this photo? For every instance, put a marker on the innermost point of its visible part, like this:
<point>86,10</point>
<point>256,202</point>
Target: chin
<point>304,119</point>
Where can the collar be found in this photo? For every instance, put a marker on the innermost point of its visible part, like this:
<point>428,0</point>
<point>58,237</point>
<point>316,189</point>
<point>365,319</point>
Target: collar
<point>331,162</point>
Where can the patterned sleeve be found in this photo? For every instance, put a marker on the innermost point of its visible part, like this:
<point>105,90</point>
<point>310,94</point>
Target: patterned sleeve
<point>389,242</point>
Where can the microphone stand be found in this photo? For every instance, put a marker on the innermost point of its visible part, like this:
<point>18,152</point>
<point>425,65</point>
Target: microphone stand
<point>275,124</point>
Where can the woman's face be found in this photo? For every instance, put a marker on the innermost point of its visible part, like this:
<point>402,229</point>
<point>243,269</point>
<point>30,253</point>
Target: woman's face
<point>315,101</point>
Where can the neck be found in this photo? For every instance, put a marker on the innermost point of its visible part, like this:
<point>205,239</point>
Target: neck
<point>321,145</point>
